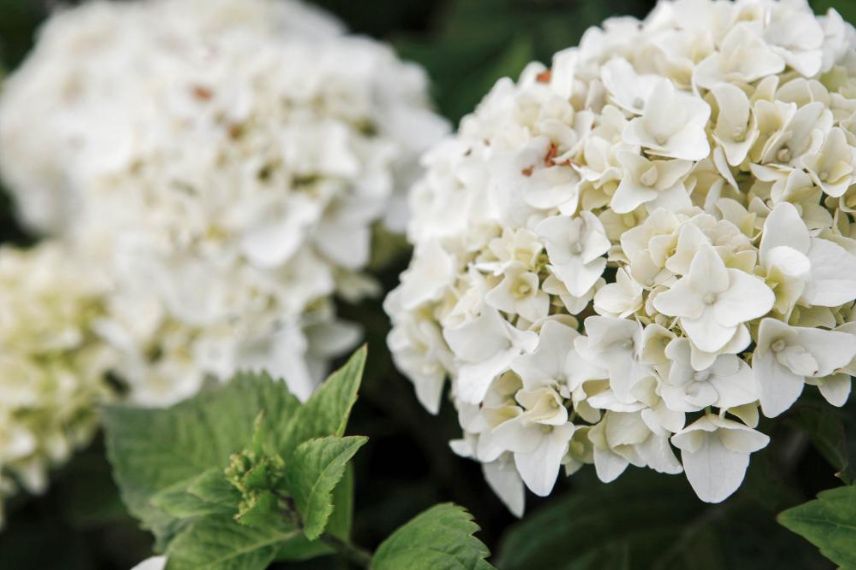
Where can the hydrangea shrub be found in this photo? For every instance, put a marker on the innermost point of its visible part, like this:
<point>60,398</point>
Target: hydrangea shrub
<point>223,163</point>
<point>628,257</point>
<point>52,365</point>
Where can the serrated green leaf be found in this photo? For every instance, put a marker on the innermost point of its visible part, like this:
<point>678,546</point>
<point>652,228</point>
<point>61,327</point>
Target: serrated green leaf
<point>440,538</point>
<point>154,449</point>
<point>261,510</point>
<point>212,487</point>
<point>207,494</point>
<point>177,502</point>
<point>313,473</point>
<point>220,543</point>
<point>829,522</point>
<point>327,410</point>
<point>339,525</point>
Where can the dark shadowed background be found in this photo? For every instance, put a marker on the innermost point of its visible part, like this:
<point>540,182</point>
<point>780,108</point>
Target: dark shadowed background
<point>642,521</point>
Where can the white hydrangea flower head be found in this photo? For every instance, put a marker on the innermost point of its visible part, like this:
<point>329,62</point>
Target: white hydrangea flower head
<point>227,162</point>
<point>625,258</point>
<point>52,365</point>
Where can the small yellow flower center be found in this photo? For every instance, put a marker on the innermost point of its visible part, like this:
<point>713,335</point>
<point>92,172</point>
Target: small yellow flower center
<point>522,289</point>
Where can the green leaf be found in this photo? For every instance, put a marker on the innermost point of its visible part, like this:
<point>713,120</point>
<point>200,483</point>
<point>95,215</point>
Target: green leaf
<point>155,449</point>
<point>654,521</point>
<point>212,487</point>
<point>219,543</point>
<point>846,9</point>
<point>327,410</point>
<point>209,493</point>
<point>340,521</point>
<point>312,475</point>
<point>261,509</point>
<point>441,537</point>
<point>339,525</point>
<point>599,526</point>
<point>480,41</point>
<point>171,466</point>
<point>829,522</point>
<point>177,502</point>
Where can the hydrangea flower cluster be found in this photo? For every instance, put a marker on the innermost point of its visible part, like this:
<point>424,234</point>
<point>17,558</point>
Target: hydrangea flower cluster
<point>623,258</point>
<point>51,364</point>
<point>224,163</point>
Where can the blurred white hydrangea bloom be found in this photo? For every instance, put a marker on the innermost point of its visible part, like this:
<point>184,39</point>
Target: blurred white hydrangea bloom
<point>52,366</point>
<point>621,258</point>
<point>225,163</point>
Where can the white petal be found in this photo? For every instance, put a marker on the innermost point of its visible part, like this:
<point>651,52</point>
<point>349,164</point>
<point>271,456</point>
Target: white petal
<point>540,468</point>
<point>747,298</point>
<point>680,301</point>
<point>835,389</point>
<point>701,360</point>
<point>783,227</point>
<point>630,196</point>
<point>831,349</point>
<point>625,429</point>
<point>714,471</point>
<point>707,272</point>
<point>429,391</point>
<point>153,563</point>
<point>347,244</point>
<point>431,271</point>
<point>738,388</point>
<point>504,480</point>
<point>742,439</point>
<point>475,379</point>
<point>833,274</point>
<point>480,338</point>
<point>596,242</point>
<point>608,465</point>
<point>547,363</point>
<point>780,387</point>
<point>706,333</point>
<point>577,276</point>
<point>516,435</point>
<point>658,455</point>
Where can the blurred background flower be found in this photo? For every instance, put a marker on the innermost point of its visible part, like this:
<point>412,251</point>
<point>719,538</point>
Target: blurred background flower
<point>222,164</point>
